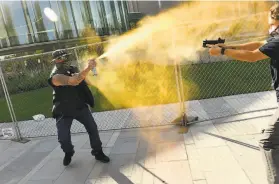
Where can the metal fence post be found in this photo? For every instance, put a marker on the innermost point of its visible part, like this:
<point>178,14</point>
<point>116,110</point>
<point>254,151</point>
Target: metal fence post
<point>180,91</point>
<point>180,119</point>
<point>11,109</point>
<point>77,58</point>
<point>183,108</point>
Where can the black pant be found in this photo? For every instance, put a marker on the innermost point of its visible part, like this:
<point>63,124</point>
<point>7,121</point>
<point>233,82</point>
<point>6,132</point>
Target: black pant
<point>85,117</point>
<point>269,146</point>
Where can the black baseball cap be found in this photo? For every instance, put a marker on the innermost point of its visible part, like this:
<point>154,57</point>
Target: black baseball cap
<point>58,53</point>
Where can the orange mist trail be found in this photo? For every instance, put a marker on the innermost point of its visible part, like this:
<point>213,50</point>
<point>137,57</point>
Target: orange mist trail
<point>186,25</point>
<point>139,71</point>
<point>139,60</point>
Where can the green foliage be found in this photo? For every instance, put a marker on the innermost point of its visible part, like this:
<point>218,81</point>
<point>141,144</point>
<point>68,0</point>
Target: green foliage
<point>28,74</point>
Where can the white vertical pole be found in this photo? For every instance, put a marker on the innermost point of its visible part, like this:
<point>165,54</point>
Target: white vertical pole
<point>10,105</point>
<point>77,59</point>
<point>160,4</point>
<point>178,86</point>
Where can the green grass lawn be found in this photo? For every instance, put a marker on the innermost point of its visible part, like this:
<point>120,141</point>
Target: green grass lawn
<point>225,78</point>
<point>27,104</point>
<point>39,101</point>
<point>200,81</point>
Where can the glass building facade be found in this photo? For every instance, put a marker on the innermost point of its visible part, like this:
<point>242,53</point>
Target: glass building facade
<point>24,22</point>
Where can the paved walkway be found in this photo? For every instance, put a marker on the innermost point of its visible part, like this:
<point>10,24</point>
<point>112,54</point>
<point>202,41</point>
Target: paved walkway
<point>223,151</point>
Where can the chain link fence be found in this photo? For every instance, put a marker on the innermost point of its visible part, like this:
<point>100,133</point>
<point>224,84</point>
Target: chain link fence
<point>26,81</point>
<point>207,78</point>
<point>125,97</point>
<point>225,78</point>
<point>136,94</point>
<point>131,95</point>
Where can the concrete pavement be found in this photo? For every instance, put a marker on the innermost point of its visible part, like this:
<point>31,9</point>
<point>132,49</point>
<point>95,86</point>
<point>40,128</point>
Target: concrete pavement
<point>210,153</point>
<point>221,151</point>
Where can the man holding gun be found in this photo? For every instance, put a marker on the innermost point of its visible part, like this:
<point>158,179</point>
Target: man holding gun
<point>252,52</point>
<point>71,100</point>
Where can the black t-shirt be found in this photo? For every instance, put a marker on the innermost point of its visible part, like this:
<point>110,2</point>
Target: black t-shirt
<point>68,99</point>
<point>271,49</point>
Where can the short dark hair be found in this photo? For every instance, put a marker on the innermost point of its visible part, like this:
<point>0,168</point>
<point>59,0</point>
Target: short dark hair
<point>274,11</point>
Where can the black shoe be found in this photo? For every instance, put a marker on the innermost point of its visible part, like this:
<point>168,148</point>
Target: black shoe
<point>99,155</point>
<point>68,158</point>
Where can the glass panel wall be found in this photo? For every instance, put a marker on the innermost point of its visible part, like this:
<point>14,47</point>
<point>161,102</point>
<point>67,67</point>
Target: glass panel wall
<point>65,24</point>
<point>31,34</point>
<point>81,15</point>
<point>119,16</point>
<point>15,23</point>
<point>3,33</point>
<point>124,7</point>
<point>24,22</point>
<point>43,28</point>
<point>99,19</point>
<point>111,17</point>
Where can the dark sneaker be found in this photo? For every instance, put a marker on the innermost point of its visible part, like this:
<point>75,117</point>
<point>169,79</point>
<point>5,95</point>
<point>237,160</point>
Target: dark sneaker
<point>99,155</point>
<point>68,158</point>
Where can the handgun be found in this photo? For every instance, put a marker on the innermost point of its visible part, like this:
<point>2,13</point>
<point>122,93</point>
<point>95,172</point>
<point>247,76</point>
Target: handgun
<point>212,42</point>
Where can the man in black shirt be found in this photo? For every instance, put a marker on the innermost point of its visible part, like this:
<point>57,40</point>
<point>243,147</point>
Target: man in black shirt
<point>256,51</point>
<point>71,100</point>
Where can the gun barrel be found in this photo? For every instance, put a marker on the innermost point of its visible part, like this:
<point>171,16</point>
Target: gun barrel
<point>213,42</point>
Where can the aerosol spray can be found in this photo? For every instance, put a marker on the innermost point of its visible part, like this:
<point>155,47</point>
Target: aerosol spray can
<point>101,59</point>
<point>94,70</point>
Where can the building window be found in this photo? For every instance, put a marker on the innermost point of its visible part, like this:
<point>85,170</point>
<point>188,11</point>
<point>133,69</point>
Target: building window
<point>65,24</point>
<point>120,15</point>
<point>15,23</point>
<point>43,28</point>
<point>99,19</point>
<point>81,15</point>
<point>3,33</point>
<point>111,17</point>
<point>24,22</point>
<point>133,6</point>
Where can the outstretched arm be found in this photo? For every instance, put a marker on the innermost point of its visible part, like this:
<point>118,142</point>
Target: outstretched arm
<point>241,55</point>
<point>247,46</point>
<point>246,55</point>
<point>63,80</point>
<point>251,46</point>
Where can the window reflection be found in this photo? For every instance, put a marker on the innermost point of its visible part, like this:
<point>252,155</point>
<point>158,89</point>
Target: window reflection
<point>24,22</point>
<point>124,8</point>
<point>119,16</point>
<point>3,32</point>
<point>65,25</point>
<point>99,20</point>
<point>45,29</point>
<point>68,22</point>
<point>81,15</point>
<point>13,17</point>
<point>111,16</point>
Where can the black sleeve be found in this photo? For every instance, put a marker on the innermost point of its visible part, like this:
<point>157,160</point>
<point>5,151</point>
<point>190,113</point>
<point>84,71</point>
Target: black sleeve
<point>271,49</point>
<point>49,80</point>
<point>74,69</point>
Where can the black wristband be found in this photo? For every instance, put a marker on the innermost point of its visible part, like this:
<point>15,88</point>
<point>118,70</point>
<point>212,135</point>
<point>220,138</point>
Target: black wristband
<point>223,50</point>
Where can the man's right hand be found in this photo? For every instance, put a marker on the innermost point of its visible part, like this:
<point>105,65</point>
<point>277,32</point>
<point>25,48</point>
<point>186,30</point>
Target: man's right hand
<point>221,45</point>
<point>91,64</point>
<point>63,80</point>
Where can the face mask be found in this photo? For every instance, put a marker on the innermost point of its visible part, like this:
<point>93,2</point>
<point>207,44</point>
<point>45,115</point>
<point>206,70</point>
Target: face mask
<point>273,31</point>
<point>64,65</point>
